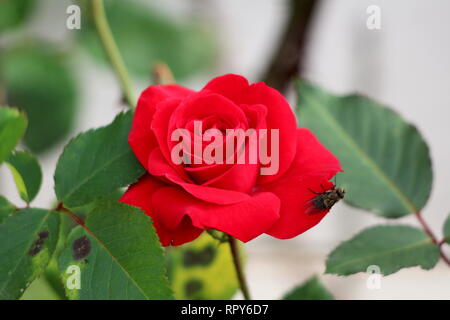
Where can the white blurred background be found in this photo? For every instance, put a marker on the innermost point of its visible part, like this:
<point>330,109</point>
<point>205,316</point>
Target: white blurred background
<point>405,65</point>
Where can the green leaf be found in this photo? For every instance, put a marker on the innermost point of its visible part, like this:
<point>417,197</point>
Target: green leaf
<point>40,289</point>
<point>52,275</point>
<point>14,12</point>
<point>202,269</point>
<point>53,278</point>
<point>39,81</point>
<point>389,247</point>
<point>386,161</point>
<point>311,289</point>
<point>6,209</point>
<point>447,230</point>
<point>120,257</point>
<point>12,127</point>
<point>27,174</point>
<point>28,241</point>
<point>97,163</point>
<point>145,37</point>
<point>82,211</point>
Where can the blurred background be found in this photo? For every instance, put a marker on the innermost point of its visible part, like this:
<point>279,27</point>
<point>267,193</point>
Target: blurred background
<point>62,80</point>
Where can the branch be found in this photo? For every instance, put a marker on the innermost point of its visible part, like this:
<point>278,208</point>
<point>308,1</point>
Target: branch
<point>427,229</point>
<point>60,207</point>
<point>286,62</point>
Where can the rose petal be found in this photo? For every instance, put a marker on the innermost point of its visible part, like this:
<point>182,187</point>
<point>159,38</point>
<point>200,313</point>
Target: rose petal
<point>239,177</point>
<point>160,128</point>
<point>140,195</point>
<point>232,86</point>
<point>311,169</point>
<point>204,104</point>
<point>141,138</point>
<point>203,174</point>
<point>245,220</point>
<point>312,157</point>
<point>229,176</point>
<point>159,167</point>
<point>279,114</point>
<point>295,194</point>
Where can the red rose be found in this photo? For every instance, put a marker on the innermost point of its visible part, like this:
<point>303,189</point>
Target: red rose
<point>185,199</point>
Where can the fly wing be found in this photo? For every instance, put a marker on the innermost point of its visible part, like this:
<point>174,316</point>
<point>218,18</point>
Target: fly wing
<point>311,207</point>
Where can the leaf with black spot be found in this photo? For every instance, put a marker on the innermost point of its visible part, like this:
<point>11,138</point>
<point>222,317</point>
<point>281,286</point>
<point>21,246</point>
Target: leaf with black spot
<point>28,240</point>
<point>202,257</point>
<point>81,248</point>
<point>119,254</point>
<point>202,269</point>
<point>192,289</point>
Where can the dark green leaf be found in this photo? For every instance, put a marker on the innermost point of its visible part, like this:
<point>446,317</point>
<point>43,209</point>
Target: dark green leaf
<point>391,248</point>
<point>447,229</point>
<point>386,161</point>
<point>119,258</point>
<point>82,211</point>
<point>27,174</point>
<point>6,209</point>
<point>312,289</point>
<point>202,269</point>
<point>28,240</point>
<point>14,12</point>
<point>39,81</point>
<point>12,127</point>
<point>96,163</point>
<point>52,275</point>
<point>145,37</point>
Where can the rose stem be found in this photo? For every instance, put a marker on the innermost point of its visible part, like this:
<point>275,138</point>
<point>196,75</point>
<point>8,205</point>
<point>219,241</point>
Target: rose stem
<point>112,51</point>
<point>427,229</point>
<point>238,266</point>
<point>61,208</point>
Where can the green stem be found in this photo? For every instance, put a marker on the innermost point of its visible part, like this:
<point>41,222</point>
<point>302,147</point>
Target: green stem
<point>112,51</point>
<point>238,266</point>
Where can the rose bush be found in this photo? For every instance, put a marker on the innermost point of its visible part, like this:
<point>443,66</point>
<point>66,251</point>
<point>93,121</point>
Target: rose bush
<point>184,200</point>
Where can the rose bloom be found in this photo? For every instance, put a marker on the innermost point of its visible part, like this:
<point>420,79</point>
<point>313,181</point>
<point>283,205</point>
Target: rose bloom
<point>183,200</point>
